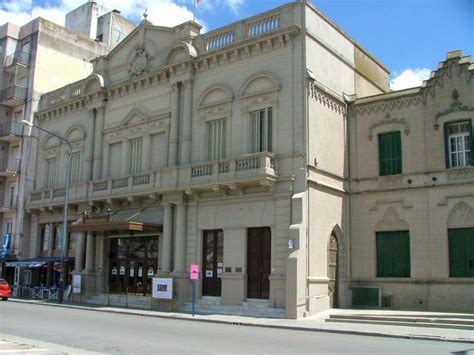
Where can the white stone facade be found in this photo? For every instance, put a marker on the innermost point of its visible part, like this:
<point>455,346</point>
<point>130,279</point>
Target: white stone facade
<point>267,99</point>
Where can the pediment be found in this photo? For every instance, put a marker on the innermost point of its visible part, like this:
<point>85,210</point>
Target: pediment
<point>134,117</point>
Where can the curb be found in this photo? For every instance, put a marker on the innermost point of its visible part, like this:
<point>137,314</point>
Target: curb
<point>187,317</point>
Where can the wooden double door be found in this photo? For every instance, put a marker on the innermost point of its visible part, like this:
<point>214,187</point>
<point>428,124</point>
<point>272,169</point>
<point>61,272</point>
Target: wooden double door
<point>258,262</point>
<point>212,262</point>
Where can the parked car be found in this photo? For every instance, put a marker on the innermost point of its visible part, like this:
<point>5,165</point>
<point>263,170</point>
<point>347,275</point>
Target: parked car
<point>5,290</point>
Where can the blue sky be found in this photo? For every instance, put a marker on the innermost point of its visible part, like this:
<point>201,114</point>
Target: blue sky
<point>406,35</point>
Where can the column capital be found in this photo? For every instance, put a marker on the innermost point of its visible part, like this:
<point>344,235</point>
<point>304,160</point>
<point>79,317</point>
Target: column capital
<point>188,83</point>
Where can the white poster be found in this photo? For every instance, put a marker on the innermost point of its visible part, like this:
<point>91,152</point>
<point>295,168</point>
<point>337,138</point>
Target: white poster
<point>132,271</point>
<point>162,288</point>
<point>122,270</point>
<point>76,283</point>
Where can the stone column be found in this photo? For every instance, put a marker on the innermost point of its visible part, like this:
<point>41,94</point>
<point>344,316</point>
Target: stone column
<point>167,239</point>
<point>105,161</point>
<point>187,122</point>
<point>174,125</point>
<point>90,257</point>
<point>80,249</point>
<point>89,147</point>
<point>180,238</point>
<point>98,142</point>
<point>51,240</point>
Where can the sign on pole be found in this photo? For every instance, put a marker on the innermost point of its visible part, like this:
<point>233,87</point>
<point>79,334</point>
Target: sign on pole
<point>194,272</point>
<point>162,288</point>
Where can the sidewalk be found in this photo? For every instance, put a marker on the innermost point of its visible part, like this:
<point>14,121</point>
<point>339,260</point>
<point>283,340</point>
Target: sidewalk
<point>315,323</point>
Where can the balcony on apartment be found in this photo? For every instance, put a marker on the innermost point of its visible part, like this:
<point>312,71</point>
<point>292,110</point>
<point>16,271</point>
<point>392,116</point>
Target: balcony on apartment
<point>8,202</point>
<point>10,131</point>
<point>9,167</point>
<point>232,176</point>
<point>13,96</point>
<point>19,58</point>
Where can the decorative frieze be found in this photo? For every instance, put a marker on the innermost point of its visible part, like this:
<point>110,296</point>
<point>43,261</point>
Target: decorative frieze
<point>326,99</point>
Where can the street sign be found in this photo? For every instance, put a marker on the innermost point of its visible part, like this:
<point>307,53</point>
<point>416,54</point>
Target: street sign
<point>194,272</point>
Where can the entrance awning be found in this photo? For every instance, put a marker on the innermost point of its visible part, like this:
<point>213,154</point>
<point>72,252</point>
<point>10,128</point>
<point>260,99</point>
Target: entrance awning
<point>116,226</point>
<point>35,262</point>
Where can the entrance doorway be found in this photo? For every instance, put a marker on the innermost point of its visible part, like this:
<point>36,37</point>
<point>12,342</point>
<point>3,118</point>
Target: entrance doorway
<point>212,262</point>
<point>333,254</point>
<point>258,262</point>
<point>133,262</point>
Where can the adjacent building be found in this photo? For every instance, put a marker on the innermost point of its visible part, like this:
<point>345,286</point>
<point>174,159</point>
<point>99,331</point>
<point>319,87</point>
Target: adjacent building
<point>412,193</point>
<point>35,58</point>
<point>271,153</point>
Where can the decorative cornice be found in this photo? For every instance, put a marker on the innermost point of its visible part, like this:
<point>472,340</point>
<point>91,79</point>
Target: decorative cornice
<point>386,121</point>
<point>324,98</point>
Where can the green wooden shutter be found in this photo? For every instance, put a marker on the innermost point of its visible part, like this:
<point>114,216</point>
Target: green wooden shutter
<point>393,254</point>
<point>461,252</point>
<point>390,154</point>
<point>446,144</point>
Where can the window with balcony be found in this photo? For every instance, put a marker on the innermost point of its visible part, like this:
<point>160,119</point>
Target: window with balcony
<point>45,235</point>
<point>135,155</point>
<point>458,144</point>
<point>51,172</point>
<point>393,254</point>
<point>216,139</point>
<point>75,175</point>
<point>390,154</point>
<point>261,131</point>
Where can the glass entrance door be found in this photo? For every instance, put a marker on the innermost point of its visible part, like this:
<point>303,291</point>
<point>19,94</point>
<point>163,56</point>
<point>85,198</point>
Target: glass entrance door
<point>133,263</point>
<point>212,263</point>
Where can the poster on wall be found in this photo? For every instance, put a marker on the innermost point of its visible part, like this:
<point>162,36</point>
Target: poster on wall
<point>76,283</point>
<point>162,288</point>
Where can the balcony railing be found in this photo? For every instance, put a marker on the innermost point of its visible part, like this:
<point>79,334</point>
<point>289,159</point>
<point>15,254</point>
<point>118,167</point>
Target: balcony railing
<point>8,202</point>
<point>247,29</point>
<point>10,128</point>
<point>19,57</point>
<point>9,166</point>
<point>250,167</point>
<point>13,95</point>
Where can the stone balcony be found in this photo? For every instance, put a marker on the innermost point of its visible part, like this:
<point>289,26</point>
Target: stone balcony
<point>229,176</point>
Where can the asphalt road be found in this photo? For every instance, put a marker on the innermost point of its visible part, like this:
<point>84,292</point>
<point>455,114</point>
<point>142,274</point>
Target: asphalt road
<point>130,334</point>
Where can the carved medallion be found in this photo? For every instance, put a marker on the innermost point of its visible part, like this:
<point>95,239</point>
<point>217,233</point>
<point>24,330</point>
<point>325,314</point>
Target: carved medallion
<point>140,61</point>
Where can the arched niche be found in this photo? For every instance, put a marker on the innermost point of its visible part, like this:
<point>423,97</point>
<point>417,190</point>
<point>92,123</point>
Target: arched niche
<point>391,222</point>
<point>215,95</point>
<point>93,83</point>
<point>461,216</point>
<point>76,133</point>
<point>180,52</point>
<point>259,84</point>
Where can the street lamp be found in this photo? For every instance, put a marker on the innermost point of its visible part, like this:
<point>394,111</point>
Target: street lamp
<point>66,197</point>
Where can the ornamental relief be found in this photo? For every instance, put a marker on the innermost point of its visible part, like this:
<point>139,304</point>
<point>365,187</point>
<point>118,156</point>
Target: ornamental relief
<point>215,112</point>
<point>389,120</point>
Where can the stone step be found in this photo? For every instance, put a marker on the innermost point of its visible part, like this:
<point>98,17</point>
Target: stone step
<point>250,311</point>
<point>403,323</point>
<point>465,320</point>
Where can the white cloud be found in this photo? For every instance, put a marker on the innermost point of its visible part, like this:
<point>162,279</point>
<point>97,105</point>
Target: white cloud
<point>409,78</point>
<point>160,12</point>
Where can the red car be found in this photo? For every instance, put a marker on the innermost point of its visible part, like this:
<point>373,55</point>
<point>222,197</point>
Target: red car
<point>5,290</point>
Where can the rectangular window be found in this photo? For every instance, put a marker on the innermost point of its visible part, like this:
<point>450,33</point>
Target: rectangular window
<point>45,235</point>
<point>75,176</point>
<point>57,236</point>
<point>461,252</point>
<point>261,130</point>
<point>216,139</point>
<point>390,154</point>
<point>459,144</point>
<point>393,254</point>
<point>135,155</point>
<point>51,171</point>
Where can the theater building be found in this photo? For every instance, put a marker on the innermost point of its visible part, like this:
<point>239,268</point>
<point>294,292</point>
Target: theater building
<point>230,150</point>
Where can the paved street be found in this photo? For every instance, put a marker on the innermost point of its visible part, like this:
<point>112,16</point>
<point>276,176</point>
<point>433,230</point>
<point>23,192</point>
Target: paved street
<point>128,334</point>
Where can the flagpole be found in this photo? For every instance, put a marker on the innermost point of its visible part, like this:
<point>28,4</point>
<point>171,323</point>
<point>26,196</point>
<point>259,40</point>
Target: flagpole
<point>194,11</point>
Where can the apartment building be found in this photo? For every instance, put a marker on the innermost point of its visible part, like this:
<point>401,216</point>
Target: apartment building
<point>226,149</point>
<point>35,58</point>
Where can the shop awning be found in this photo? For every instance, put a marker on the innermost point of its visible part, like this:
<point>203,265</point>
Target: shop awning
<point>35,262</point>
<point>116,226</point>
